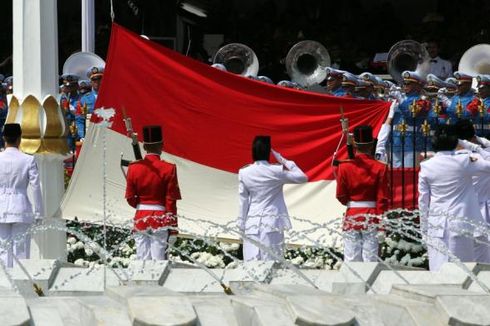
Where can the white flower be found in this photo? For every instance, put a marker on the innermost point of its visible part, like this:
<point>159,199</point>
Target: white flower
<point>89,252</point>
<point>297,261</point>
<point>78,245</point>
<point>133,257</point>
<point>71,240</point>
<point>81,262</point>
<point>232,265</point>
<point>314,262</point>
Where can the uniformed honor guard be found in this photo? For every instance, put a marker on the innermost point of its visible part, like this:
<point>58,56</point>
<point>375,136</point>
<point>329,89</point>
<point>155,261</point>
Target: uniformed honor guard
<point>17,171</point>
<point>362,186</point>
<point>410,112</point>
<point>263,215</point>
<point>479,106</point>
<point>95,74</point>
<point>472,143</point>
<point>459,102</point>
<point>448,202</point>
<point>153,189</point>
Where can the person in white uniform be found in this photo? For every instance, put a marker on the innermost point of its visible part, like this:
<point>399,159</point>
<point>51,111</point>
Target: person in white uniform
<point>17,172</point>
<point>263,214</point>
<point>448,202</point>
<point>469,141</point>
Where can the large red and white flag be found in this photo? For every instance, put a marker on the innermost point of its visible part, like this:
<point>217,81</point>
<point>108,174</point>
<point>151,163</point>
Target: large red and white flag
<point>209,120</point>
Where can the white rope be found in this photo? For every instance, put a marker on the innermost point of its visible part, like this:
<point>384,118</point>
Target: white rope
<point>113,15</point>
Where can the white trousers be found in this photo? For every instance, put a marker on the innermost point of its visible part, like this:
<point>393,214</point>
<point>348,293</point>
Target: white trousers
<point>360,245</point>
<point>151,246</point>
<point>462,247</point>
<point>21,246</point>
<point>482,250</point>
<point>271,246</point>
<point>482,243</point>
<point>407,157</point>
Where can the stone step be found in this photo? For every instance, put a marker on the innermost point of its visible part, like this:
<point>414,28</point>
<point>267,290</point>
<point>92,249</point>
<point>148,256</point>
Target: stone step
<point>175,310</point>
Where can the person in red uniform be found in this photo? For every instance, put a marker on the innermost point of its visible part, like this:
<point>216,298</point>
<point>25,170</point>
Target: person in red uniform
<point>152,188</point>
<point>362,186</point>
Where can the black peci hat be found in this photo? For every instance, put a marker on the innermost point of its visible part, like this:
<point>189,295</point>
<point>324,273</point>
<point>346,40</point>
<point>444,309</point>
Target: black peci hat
<point>152,134</point>
<point>12,130</point>
<point>261,148</point>
<point>363,135</point>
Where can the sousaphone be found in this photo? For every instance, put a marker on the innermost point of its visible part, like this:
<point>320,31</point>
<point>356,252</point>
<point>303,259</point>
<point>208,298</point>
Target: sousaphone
<point>238,59</point>
<point>306,62</point>
<point>80,62</point>
<point>408,55</point>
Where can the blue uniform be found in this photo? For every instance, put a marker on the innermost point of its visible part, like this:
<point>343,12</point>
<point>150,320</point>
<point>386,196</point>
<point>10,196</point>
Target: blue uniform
<point>402,113</point>
<point>3,116</point>
<point>89,99</point>
<point>481,122</point>
<point>465,100</point>
<point>69,103</point>
<point>339,92</point>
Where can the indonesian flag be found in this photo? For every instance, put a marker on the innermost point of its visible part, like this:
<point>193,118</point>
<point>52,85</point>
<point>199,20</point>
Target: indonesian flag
<point>209,119</point>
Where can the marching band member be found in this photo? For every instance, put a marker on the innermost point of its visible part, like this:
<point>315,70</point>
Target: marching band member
<point>263,215</point>
<point>412,84</point>
<point>463,97</point>
<point>18,171</point>
<point>448,202</point>
<point>349,84</point>
<point>334,82</point>
<point>153,189</point>
<point>362,185</point>
<point>478,107</point>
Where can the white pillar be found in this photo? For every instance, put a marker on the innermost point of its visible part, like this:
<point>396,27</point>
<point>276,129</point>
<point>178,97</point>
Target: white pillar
<point>35,67</point>
<point>35,48</point>
<point>88,26</point>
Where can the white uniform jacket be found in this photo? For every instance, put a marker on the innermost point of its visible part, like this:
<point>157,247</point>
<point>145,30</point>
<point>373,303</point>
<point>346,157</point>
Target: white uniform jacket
<point>262,206</point>
<point>17,171</point>
<point>446,192</point>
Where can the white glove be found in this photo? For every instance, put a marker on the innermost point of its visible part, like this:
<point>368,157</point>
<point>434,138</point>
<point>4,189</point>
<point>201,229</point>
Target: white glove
<point>393,107</point>
<point>469,145</point>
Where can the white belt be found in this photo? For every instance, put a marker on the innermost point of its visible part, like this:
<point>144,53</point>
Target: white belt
<point>150,207</point>
<point>361,204</point>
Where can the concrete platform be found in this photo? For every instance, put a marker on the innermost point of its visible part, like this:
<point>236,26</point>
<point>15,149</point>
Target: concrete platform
<point>158,293</point>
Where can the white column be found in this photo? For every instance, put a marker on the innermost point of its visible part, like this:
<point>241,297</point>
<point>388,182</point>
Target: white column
<point>88,26</point>
<point>35,68</point>
<point>35,48</point>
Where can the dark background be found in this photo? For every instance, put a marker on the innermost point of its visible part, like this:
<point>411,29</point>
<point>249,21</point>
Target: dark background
<point>352,30</point>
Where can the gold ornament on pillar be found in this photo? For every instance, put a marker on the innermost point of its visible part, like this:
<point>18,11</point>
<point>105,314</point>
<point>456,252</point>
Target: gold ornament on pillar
<point>43,125</point>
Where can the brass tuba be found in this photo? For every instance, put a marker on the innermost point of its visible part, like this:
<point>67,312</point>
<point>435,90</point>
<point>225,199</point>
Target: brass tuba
<point>80,62</point>
<point>408,55</point>
<point>476,60</point>
<point>306,62</point>
<point>238,59</point>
